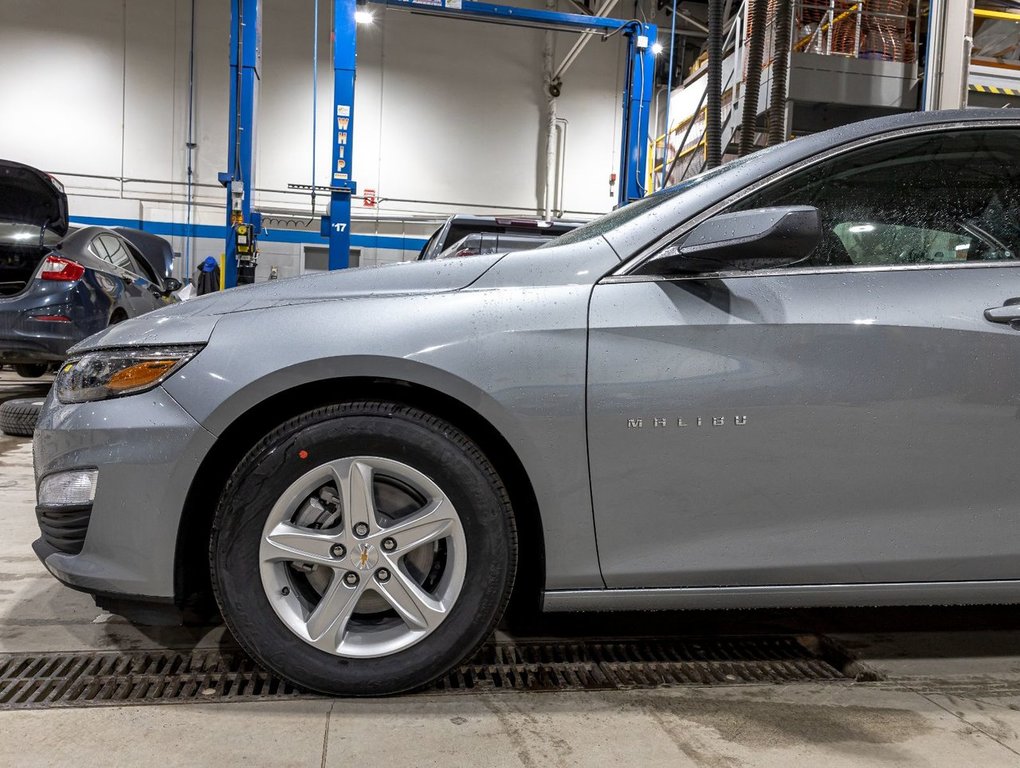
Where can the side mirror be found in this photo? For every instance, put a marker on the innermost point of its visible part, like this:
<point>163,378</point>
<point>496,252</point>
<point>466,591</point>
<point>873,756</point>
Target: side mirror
<point>746,240</point>
<point>171,284</point>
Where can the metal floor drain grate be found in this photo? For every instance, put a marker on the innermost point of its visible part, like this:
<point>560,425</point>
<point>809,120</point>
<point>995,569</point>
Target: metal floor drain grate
<point>593,665</point>
<point>150,677</point>
<point>83,679</point>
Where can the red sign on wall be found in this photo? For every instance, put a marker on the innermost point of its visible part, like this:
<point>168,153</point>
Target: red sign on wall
<point>368,198</point>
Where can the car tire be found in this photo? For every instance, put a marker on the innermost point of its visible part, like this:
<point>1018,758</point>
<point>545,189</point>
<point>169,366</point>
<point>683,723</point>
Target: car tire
<point>305,485</point>
<point>31,370</point>
<point>18,417</point>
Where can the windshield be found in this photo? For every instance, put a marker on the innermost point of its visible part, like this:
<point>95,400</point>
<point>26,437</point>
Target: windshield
<point>16,233</point>
<point>634,209</point>
<point>489,242</point>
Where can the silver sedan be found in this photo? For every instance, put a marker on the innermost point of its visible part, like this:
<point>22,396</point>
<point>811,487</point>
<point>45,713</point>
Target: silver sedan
<point>788,382</point>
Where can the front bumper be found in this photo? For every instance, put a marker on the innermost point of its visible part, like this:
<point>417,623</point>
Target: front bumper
<point>147,450</point>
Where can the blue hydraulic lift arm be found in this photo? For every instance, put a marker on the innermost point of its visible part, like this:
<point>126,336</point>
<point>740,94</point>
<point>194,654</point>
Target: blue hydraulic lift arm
<point>636,102</point>
<point>508,14</point>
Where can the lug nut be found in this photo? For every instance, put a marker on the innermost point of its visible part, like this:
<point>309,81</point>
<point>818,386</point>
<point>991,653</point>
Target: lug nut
<point>361,529</point>
<point>389,544</point>
<point>337,550</point>
<point>383,575</point>
<point>351,579</point>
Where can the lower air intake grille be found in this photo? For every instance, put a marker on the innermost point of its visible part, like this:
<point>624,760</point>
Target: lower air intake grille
<point>64,528</point>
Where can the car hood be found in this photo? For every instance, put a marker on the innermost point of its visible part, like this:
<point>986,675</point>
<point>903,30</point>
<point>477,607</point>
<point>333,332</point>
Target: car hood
<point>29,196</point>
<point>402,278</point>
<point>192,322</point>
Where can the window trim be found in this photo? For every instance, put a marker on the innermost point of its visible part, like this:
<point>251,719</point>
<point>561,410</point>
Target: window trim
<point>788,272</point>
<point>625,272</point>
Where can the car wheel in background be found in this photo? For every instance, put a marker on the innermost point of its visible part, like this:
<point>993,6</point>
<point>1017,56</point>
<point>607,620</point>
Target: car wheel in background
<point>31,370</point>
<point>363,549</point>
<point>18,417</point>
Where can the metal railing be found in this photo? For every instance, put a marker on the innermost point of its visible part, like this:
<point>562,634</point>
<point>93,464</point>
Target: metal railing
<point>862,29</point>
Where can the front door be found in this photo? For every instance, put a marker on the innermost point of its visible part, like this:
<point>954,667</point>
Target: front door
<point>853,419</point>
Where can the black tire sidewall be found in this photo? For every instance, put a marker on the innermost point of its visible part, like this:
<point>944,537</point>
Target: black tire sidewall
<point>31,370</point>
<point>430,446</point>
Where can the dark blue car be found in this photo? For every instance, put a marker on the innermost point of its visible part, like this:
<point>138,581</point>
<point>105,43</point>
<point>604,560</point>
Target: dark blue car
<point>59,285</point>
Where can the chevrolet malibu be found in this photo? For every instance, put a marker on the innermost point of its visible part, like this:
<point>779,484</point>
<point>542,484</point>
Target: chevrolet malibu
<point>788,382</point>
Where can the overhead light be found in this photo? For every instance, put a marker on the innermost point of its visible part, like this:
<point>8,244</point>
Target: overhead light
<point>363,17</point>
<point>858,228</point>
<point>656,48</point>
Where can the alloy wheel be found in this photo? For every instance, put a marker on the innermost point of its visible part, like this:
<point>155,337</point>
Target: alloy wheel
<point>362,557</point>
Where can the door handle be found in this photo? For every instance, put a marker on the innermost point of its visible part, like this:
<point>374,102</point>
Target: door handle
<point>1008,313</point>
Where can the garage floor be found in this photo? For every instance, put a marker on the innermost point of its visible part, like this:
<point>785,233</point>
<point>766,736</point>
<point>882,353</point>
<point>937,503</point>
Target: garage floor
<point>924,687</point>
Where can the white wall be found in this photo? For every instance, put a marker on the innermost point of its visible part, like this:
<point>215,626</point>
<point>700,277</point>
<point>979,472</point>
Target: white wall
<point>446,110</point>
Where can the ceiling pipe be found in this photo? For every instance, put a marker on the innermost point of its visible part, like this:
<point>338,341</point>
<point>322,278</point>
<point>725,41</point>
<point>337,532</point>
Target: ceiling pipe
<point>315,90</point>
<point>551,87</point>
<point>190,145</point>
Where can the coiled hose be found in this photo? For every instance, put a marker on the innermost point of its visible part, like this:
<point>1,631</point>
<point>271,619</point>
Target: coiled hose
<point>752,82</point>
<point>713,100</point>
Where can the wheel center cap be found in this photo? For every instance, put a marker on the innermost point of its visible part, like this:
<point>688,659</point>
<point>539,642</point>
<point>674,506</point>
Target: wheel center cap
<point>364,557</point>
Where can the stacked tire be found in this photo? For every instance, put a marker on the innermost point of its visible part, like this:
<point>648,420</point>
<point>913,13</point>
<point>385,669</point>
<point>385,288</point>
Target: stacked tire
<point>18,417</point>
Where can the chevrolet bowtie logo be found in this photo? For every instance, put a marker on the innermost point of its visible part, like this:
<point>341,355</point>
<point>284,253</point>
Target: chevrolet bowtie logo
<point>365,557</point>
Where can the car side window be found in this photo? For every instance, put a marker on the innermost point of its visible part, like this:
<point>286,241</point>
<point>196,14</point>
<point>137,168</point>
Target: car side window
<point>111,249</point>
<point>118,253</point>
<point>936,198</point>
<point>98,248</point>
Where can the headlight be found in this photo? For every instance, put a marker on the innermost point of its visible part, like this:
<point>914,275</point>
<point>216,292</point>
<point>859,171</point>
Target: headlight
<point>108,373</point>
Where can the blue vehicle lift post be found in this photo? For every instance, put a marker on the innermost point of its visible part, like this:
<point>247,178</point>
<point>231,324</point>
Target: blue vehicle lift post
<point>337,224</point>
<point>245,62</point>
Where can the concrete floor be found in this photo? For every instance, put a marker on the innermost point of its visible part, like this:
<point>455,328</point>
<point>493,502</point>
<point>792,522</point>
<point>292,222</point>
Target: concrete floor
<point>950,697</point>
